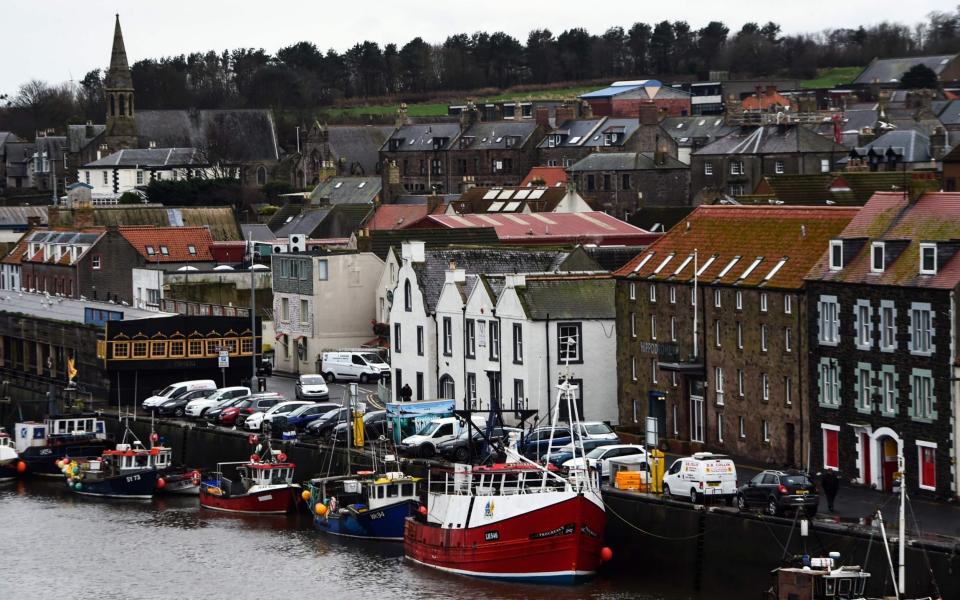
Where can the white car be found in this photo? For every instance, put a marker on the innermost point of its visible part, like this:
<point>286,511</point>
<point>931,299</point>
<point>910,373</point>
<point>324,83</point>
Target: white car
<point>196,408</point>
<point>597,430</point>
<point>255,421</point>
<point>601,456</point>
<point>312,387</point>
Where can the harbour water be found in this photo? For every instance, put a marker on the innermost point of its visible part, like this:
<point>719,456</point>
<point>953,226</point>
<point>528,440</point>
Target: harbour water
<point>61,546</point>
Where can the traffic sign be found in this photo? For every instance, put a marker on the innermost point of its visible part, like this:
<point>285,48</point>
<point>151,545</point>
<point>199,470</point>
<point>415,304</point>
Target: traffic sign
<point>223,359</point>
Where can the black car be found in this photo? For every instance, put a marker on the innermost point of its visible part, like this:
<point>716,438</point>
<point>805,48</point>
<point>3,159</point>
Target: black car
<point>374,425</point>
<point>459,448</point>
<point>779,491</point>
<point>175,406</point>
<point>323,426</point>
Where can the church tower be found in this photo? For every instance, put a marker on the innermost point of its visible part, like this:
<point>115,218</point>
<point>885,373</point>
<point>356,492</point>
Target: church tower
<point>118,88</point>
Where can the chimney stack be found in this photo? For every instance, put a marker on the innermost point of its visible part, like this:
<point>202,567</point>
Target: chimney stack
<point>542,115</point>
<point>865,136</point>
<point>402,118</point>
<point>433,201</point>
<point>563,113</point>
<point>649,113</point>
<point>938,143</point>
<point>469,116</point>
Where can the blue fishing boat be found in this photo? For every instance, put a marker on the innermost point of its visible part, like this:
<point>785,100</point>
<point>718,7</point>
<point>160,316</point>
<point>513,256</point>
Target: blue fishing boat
<point>42,445</point>
<point>128,471</point>
<point>365,505</point>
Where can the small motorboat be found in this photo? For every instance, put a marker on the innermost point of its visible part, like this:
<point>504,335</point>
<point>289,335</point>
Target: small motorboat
<point>261,485</point>
<point>42,445</point>
<point>130,470</point>
<point>10,464</point>
<point>365,505</point>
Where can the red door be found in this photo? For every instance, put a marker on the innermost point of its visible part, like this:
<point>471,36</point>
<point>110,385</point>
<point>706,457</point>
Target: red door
<point>865,442</point>
<point>831,455</point>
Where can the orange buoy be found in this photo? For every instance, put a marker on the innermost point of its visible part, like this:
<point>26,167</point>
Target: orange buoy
<point>21,467</point>
<point>320,509</point>
<point>606,554</point>
<point>305,495</point>
<point>161,483</point>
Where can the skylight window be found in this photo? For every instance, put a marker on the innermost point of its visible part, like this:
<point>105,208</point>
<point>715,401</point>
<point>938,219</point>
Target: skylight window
<point>522,194</point>
<point>752,266</point>
<point>361,184</point>
<point>642,262</point>
<point>706,265</point>
<point>505,195</point>
<point>491,194</point>
<point>683,265</point>
<point>575,139</point>
<point>775,269</point>
<point>290,218</point>
<point>192,250</point>
<point>718,122</point>
<point>664,263</point>
<point>729,266</point>
<point>701,122</point>
<point>337,185</point>
<point>512,207</point>
<point>495,206</point>
<point>499,139</point>
<point>679,125</point>
<point>536,194</point>
<point>151,250</point>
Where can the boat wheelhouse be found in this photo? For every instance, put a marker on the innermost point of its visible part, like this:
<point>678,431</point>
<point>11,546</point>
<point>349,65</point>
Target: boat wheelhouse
<point>365,505</point>
<point>42,445</point>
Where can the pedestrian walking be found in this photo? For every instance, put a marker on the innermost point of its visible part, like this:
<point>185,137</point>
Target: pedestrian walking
<point>406,393</point>
<point>830,482</point>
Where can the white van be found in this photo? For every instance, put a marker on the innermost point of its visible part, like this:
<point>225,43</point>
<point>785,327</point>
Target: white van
<point>704,475</point>
<point>361,365</point>
<point>425,442</point>
<point>176,389</point>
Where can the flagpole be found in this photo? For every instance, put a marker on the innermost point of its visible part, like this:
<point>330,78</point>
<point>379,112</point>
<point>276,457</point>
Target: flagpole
<point>694,303</point>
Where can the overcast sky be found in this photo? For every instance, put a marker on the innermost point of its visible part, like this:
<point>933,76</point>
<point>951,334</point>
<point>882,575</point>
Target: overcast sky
<point>56,40</point>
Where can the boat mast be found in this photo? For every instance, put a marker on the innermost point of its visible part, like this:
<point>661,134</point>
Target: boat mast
<point>903,530</point>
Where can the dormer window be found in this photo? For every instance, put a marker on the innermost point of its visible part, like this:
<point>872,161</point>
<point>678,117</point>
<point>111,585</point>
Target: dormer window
<point>877,257</point>
<point>928,259</point>
<point>836,255</point>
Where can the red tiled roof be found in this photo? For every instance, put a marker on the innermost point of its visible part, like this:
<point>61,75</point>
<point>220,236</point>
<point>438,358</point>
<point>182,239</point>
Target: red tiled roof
<point>399,216</point>
<point>765,100</point>
<point>720,234</point>
<point>15,256</point>
<point>890,217</point>
<point>551,176</point>
<point>548,228</point>
<point>175,239</point>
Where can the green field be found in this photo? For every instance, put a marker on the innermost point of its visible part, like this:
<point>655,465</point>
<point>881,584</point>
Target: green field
<point>439,109</point>
<point>828,78</point>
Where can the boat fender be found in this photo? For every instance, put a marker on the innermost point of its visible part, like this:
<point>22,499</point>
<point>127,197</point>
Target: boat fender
<point>195,478</point>
<point>606,554</point>
<point>333,504</point>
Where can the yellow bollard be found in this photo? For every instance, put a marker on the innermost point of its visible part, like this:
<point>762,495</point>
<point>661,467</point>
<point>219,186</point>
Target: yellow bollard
<point>358,429</point>
<point>657,463</point>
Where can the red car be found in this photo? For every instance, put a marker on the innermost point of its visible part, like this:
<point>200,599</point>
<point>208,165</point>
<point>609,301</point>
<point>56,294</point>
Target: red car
<point>230,415</point>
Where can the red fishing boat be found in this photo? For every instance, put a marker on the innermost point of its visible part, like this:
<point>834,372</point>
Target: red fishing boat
<point>518,521</point>
<point>262,485</point>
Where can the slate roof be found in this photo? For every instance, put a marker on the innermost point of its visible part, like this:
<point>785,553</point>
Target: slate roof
<point>53,145</point>
<point>149,157</point>
<point>304,223</point>
<point>948,115</point>
<point>77,138</point>
<point>260,232</point>
<point>419,138</point>
<point>889,216</point>
<point>572,297</point>
<point>431,274</point>
<point>234,134</point>
<point>891,70</point>
<point>551,176</point>
<point>624,161</point>
<point>911,145</point>
<point>358,144</point>
<point>494,135</point>
<point>798,234</point>
<point>176,239</point>
<point>7,136</point>
<point>16,216</point>
<point>580,130</point>
<point>346,190</point>
<point>687,130</point>
<point>548,228</point>
<point>771,139</point>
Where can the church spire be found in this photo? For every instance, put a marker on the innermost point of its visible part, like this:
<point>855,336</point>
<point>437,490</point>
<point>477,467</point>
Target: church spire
<point>118,76</point>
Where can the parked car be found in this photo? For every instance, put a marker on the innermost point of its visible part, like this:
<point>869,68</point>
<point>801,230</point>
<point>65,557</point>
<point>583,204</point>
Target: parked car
<point>424,443</point>
<point>535,443</point>
<point>175,389</point>
<point>175,407</point>
<point>561,455</point>
<point>323,426</point>
<point>256,421</point>
<point>212,415</point>
<point>302,416</point>
<point>597,430</point>
<point>353,365</point>
<point>265,366</point>
<point>196,408</point>
<point>703,475</point>
<point>374,425</point>
<point>778,491</point>
<point>312,387</point>
<point>236,414</point>
<point>599,458</point>
<point>470,443</point>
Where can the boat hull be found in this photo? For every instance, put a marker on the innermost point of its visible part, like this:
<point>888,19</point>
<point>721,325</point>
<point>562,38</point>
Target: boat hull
<point>139,485</point>
<point>8,472</point>
<point>42,460</point>
<point>272,501</point>
<point>183,483</point>
<point>560,542</point>
<point>385,523</point>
